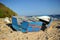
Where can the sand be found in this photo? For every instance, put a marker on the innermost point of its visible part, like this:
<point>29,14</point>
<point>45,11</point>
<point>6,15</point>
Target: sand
<point>6,33</point>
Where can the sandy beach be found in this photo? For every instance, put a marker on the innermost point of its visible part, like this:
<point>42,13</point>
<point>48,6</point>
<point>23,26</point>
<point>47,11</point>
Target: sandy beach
<point>52,33</point>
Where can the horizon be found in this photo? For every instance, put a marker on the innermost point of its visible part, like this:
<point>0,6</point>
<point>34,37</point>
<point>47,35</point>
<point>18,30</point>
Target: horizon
<point>33,7</point>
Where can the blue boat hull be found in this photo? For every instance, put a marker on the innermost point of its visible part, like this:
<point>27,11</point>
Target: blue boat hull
<point>27,26</point>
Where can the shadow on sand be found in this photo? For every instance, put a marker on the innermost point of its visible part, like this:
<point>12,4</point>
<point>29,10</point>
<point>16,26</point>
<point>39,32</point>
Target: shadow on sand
<point>10,25</point>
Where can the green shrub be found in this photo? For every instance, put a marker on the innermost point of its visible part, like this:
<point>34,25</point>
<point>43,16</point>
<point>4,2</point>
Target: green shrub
<point>6,12</point>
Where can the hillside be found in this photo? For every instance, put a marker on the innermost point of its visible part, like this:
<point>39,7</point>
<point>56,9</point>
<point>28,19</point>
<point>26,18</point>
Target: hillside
<point>5,10</point>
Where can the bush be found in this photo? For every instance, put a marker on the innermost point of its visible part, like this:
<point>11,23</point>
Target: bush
<point>6,12</point>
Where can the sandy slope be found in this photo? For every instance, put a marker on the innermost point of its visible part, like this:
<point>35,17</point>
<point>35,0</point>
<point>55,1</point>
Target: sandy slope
<point>6,33</point>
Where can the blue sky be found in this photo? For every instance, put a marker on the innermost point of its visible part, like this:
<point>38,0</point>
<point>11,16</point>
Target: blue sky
<point>33,7</point>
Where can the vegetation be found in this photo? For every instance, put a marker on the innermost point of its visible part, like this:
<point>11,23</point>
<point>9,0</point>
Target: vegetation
<point>5,11</point>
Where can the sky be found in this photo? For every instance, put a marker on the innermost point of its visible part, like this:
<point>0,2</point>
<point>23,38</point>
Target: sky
<point>33,7</point>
